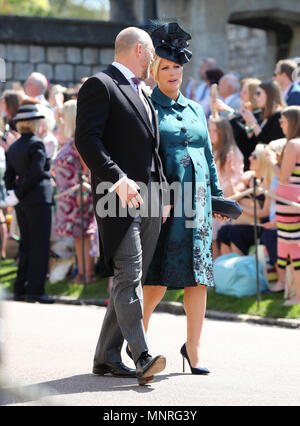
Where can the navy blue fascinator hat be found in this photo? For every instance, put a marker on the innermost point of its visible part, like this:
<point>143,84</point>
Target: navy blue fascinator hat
<point>171,42</point>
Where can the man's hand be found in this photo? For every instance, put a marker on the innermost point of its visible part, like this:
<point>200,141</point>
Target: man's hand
<point>128,193</point>
<point>166,212</point>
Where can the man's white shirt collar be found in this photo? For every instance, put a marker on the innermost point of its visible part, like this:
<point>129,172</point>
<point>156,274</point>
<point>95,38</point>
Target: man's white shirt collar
<point>229,98</point>
<point>128,74</point>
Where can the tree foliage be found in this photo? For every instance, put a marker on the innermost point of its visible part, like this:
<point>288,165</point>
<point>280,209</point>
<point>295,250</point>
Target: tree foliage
<point>25,7</point>
<point>83,9</point>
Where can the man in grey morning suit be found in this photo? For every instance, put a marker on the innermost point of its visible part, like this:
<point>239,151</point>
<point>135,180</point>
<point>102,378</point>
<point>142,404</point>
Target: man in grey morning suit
<point>117,137</point>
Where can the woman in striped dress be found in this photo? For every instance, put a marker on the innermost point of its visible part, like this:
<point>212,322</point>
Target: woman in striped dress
<point>287,168</point>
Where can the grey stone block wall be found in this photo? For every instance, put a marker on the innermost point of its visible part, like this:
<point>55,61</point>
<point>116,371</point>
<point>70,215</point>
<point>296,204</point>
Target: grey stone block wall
<point>37,54</point>
<point>64,50</point>
<point>73,55</point>
<point>68,50</point>
<point>68,64</point>
<point>248,51</point>
<point>65,65</point>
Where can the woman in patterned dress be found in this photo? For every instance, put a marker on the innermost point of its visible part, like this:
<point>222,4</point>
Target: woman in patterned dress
<point>183,257</point>
<point>66,165</point>
<point>288,217</point>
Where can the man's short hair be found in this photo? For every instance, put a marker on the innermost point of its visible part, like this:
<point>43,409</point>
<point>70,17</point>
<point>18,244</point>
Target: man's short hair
<point>233,81</point>
<point>287,66</point>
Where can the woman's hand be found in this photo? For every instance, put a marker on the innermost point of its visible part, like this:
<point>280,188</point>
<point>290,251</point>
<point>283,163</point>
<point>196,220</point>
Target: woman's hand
<point>248,116</point>
<point>221,106</point>
<point>229,166</point>
<point>85,197</point>
<point>269,225</point>
<point>11,200</point>
<point>59,101</point>
<point>166,212</point>
<point>12,136</point>
<point>220,217</point>
<point>271,156</point>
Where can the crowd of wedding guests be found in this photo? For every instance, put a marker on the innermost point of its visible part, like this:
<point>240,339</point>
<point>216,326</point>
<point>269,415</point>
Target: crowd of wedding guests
<point>57,105</point>
<point>254,128</point>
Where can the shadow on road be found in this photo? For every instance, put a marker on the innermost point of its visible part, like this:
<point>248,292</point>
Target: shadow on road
<point>82,383</point>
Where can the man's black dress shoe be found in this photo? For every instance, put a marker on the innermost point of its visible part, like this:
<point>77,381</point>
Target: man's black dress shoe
<point>117,369</point>
<point>40,299</point>
<point>147,366</point>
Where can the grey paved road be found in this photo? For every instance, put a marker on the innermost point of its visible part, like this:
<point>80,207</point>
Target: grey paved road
<point>47,353</point>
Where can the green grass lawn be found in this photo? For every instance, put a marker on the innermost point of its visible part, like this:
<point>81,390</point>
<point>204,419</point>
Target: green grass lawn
<point>271,305</point>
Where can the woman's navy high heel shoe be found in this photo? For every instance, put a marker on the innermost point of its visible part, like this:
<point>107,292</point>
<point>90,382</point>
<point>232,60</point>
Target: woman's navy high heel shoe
<point>194,370</point>
<point>128,351</point>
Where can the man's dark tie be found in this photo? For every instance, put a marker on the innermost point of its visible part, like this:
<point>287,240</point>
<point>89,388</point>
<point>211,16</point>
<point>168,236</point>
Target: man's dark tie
<point>136,81</point>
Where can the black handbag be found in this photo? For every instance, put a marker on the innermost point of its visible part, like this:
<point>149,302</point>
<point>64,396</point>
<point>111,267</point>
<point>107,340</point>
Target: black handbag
<point>226,207</point>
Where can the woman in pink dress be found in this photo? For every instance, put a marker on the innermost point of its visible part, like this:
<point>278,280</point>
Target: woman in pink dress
<point>67,166</point>
<point>229,163</point>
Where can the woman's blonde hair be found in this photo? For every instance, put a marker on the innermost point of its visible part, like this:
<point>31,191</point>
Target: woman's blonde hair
<point>263,164</point>
<point>155,66</point>
<point>252,86</point>
<point>278,145</point>
<point>69,118</point>
<point>292,114</point>
<point>27,126</point>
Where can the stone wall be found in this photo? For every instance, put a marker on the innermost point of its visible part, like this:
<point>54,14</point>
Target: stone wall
<point>248,51</point>
<point>64,65</point>
<point>64,50</point>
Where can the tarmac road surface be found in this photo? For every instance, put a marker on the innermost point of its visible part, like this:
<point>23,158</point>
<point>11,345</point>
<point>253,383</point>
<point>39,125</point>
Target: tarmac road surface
<point>47,353</point>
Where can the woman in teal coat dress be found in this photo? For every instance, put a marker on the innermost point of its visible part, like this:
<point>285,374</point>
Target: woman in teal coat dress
<point>183,257</point>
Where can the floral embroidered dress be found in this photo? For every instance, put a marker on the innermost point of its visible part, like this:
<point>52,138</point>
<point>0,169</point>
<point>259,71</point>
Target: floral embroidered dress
<point>66,166</point>
<point>183,255</point>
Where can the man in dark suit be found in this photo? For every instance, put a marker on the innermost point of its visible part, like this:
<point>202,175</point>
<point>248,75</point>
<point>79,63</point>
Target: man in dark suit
<point>283,74</point>
<point>117,137</point>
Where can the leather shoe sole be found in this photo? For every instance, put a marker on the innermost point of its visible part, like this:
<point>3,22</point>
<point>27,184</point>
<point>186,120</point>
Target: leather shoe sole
<point>143,381</point>
<point>157,365</point>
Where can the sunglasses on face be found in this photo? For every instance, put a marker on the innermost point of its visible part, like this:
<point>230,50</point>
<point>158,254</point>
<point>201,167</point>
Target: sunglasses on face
<point>253,156</point>
<point>258,93</point>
